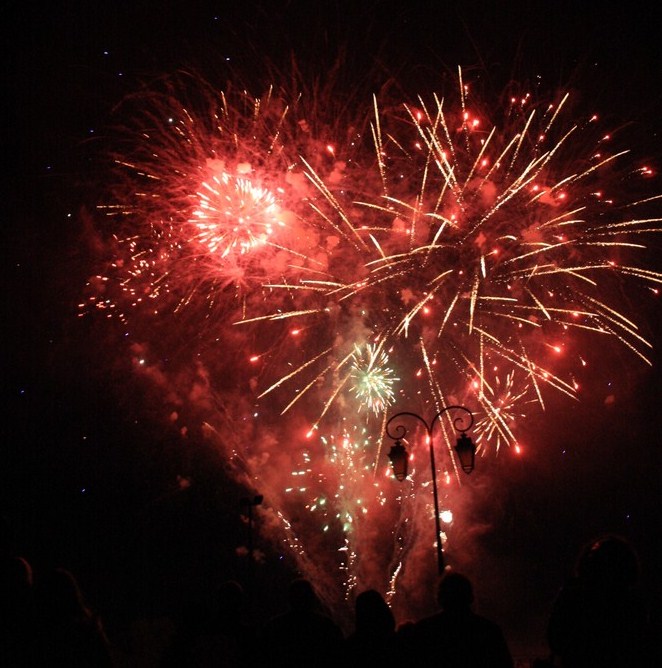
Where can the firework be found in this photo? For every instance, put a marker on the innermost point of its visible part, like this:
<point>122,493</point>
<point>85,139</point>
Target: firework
<point>373,379</point>
<point>446,252</point>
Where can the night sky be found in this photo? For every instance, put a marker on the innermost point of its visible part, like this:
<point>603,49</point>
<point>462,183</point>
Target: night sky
<point>91,475</point>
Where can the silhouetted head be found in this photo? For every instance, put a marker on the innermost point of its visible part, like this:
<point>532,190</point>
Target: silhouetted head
<point>373,613</point>
<point>59,596</point>
<point>609,561</point>
<point>302,596</point>
<point>16,579</point>
<point>230,598</point>
<point>455,592</point>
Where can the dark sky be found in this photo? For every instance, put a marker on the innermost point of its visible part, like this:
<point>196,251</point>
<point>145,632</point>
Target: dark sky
<point>84,474</point>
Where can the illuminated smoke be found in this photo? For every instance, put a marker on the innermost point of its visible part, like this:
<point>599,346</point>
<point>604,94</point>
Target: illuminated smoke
<point>453,252</point>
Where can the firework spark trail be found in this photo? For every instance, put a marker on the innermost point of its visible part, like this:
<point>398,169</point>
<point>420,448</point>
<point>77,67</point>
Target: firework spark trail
<point>452,257</point>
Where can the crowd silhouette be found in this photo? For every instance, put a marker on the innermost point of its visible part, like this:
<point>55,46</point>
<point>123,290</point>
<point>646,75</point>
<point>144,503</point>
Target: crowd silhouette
<point>214,633</point>
<point>47,621</point>
<point>601,618</point>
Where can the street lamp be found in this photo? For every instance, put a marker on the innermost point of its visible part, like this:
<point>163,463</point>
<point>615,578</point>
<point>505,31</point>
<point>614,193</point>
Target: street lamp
<point>465,450</point>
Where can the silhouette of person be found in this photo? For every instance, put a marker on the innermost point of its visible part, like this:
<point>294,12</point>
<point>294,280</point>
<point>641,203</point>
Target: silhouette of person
<point>68,633</point>
<point>304,636</point>
<point>214,633</point>
<point>238,637</point>
<point>374,640</point>
<point>456,636</point>
<point>600,616</point>
<point>16,610</point>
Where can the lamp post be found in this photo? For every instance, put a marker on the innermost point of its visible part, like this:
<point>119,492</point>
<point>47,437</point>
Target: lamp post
<point>465,450</point>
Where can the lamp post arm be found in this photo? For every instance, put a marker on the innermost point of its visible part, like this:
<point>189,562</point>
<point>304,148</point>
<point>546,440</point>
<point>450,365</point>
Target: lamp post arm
<point>401,430</point>
<point>456,420</point>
